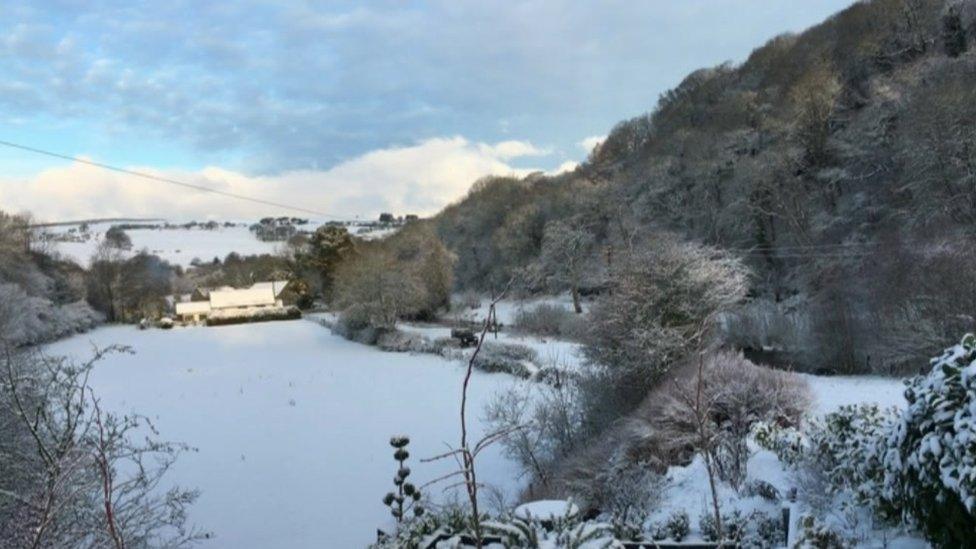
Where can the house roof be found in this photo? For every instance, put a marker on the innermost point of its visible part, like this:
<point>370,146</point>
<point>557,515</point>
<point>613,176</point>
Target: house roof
<point>249,297</point>
<point>192,307</point>
<point>277,286</point>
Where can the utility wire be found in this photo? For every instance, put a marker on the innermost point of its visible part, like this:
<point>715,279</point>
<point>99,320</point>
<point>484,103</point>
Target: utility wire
<point>144,175</point>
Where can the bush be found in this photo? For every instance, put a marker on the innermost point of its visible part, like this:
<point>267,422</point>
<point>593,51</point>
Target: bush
<point>663,300</point>
<point>245,316</point>
<point>762,489</point>
<point>509,358</point>
<point>763,532</point>
<point>548,320</point>
<point>551,320</point>
<point>730,385</point>
<point>29,320</point>
<point>817,535</point>
<point>677,525</point>
<point>733,526</point>
<point>930,451</point>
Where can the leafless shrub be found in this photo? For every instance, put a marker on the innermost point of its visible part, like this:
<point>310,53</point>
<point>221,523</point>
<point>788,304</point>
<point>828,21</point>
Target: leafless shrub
<point>74,475</point>
<point>738,394</point>
<point>544,420</point>
<point>549,320</point>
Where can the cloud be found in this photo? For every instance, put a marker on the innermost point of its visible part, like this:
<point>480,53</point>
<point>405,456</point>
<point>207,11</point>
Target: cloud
<point>513,149</point>
<point>291,85</point>
<point>590,143</point>
<point>420,178</point>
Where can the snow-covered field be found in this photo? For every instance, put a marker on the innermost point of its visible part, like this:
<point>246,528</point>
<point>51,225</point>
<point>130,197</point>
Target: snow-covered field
<point>179,246</point>
<point>292,424</point>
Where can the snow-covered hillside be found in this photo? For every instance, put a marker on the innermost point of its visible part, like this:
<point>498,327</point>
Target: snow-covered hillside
<point>176,245</point>
<point>181,245</point>
<point>292,424</point>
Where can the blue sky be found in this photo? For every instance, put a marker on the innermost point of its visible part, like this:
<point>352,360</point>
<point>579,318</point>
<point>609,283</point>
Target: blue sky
<point>267,89</point>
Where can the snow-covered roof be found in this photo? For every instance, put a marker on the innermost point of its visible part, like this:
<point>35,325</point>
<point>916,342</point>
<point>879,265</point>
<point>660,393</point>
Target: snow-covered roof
<point>249,297</point>
<point>277,286</point>
<point>192,307</point>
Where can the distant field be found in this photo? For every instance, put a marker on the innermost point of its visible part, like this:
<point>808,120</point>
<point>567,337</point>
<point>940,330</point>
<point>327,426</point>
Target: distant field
<point>179,246</point>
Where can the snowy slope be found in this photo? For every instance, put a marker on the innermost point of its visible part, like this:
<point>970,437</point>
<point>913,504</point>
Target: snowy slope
<point>292,424</point>
<point>178,246</point>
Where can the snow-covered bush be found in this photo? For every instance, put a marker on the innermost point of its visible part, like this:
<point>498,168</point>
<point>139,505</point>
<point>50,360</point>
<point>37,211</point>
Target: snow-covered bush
<point>842,450</point>
<point>509,358</point>
<point>763,532</point>
<point>814,534</point>
<point>677,525</point>
<point>733,526</point>
<point>451,527</point>
<point>729,387</point>
<point>257,314</point>
<point>549,320</point>
<point>663,294</point>
<point>762,489</point>
<point>28,320</point>
<point>543,421</point>
<point>930,453</point>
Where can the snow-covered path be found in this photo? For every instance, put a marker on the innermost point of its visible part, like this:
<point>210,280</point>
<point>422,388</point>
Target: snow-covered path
<point>292,424</point>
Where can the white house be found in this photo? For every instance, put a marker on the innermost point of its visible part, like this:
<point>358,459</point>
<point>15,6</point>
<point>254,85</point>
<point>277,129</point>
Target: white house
<point>228,301</point>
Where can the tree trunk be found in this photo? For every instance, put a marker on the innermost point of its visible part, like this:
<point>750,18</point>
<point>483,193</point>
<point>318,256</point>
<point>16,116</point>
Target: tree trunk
<point>576,300</point>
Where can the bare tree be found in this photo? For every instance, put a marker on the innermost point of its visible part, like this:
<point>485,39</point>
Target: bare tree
<point>566,246</point>
<point>469,450</point>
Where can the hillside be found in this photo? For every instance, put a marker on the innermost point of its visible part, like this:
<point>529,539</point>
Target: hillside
<point>839,164</point>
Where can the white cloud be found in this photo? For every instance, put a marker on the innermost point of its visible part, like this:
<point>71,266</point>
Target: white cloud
<point>591,142</point>
<point>420,179</point>
<point>566,166</point>
<point>506,150</point>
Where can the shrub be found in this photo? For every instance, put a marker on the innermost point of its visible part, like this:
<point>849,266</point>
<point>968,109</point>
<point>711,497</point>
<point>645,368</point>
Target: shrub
<point>548,320</point>
<point>839,454</point>
<point>509,358</point>
<point>930,455</point>
<point>763,532</point>
<point>677,525</point>
<point>664,298</point>
<point>817,535</point>
<point>762,489</point>
<point>244,316</point>
<point>730,385</point>
<point>733,526</point>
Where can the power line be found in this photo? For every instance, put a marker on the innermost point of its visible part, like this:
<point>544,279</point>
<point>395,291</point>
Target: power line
<point>144,175</point>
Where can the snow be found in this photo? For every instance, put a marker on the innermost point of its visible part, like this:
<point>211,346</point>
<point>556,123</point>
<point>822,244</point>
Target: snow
<point>506,310</point>
<point>687,487</point>
<point>292,424</point>
<point>178,246</point>
<point>551,352</point>
<point>546,509</point>
<point>832,392</point>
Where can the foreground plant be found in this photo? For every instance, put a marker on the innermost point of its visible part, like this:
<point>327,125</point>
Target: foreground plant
<point>406,498</point>
<point>75,475</point>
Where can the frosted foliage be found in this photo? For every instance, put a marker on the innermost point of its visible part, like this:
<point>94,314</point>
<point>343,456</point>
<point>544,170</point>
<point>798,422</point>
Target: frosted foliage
<point>932,447</point>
